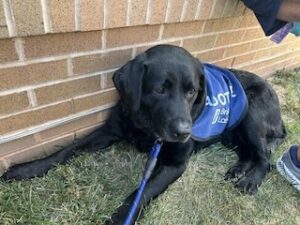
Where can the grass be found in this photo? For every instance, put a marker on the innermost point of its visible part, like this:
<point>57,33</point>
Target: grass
<point>90,187</point>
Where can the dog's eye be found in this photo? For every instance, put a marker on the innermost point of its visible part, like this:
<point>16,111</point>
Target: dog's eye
<point>191,92</point>
<point>160,90</point>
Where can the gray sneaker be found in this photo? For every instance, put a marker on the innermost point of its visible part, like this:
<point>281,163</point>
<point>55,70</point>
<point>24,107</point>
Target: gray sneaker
<point>288,170</point>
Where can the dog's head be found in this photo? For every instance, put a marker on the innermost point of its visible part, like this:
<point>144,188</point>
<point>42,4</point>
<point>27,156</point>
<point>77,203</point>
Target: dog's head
<point>163,91</point>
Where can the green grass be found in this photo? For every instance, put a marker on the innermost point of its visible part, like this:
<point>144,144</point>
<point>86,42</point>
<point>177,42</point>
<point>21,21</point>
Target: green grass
<point>90,187</point>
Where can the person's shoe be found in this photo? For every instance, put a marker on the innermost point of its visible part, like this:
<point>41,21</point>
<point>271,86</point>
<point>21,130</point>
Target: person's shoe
<point>287,168</point>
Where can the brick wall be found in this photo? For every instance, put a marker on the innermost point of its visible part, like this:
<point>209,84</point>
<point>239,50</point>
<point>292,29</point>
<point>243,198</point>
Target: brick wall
<point>57,59</point>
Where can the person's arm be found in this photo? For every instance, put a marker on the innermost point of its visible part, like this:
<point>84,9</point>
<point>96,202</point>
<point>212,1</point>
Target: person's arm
<point>266,12</point>
<point>289,10</point>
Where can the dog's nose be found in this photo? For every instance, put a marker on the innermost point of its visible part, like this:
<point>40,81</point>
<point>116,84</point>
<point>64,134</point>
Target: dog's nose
<point>182,130</point>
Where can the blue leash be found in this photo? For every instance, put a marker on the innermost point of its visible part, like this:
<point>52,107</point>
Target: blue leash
<point>147,173</point>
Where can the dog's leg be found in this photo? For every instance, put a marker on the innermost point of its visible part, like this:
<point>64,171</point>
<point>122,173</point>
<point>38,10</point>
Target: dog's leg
<point>98,139</point>
<point>243,164</point>
<point>253,155</point>
<point>168,170</point>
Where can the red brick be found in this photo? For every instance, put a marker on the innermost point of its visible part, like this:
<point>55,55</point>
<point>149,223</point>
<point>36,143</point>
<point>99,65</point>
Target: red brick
<point>35,117</point>
<point>279,49</point>
<point>99,62</point>
<point>248,57</point>
<point>4,164</point>
<point>70,127</point>
<point>62,15</point>
<point>218,8</point>
<point>138,12</point>
<point>263,54</point>
<point>116,13</point>
<point>91,15</point>
<point>7,51</point>
<point>103,115</point>
<point>224,62</point>
<point>247,12</point>
<point>251,68</point>
<point>190,11</point>
<point>2,15</point>
<point>158,12</point>
<point>199,44</point>
<point>211,55</point>
<point>131,35</point>
<point>81,133</point>
<point>264,63</point>
<point>108,82</point>
<point>265,72</point>
<point>59,44</point>
<point>144,48</point>
<point>20,143</point>
<point>67,90</point>
<point>237,49</point>
<point>253,34</point>
<point>205,9</point>
<point>3,26</point>
<point>240,9</point>
<point>217,25</point>
<point>229,38</point>
<point>28,17</point>
<point>175,11</point>
<point>13,102</point>
<point>94,100</point>
<point>247,21</point>
<point>38,151</point>
<point>32,74</point>
<point>263,43</point>
<point>230,8</point>
<point>182,29</point>
<point>3,32</point>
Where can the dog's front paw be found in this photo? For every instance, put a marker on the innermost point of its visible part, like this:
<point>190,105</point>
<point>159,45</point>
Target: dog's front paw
<point>119,217</point>
<point>114,222</point>
<point>238,170</point>
<point>247,185</point>
<point>250,182</point>
<point>116,219</point>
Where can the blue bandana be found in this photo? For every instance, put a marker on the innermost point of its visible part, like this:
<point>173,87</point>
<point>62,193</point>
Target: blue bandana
<point>226,104</point>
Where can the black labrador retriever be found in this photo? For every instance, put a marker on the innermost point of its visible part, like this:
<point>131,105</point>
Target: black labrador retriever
<point>162,93</point>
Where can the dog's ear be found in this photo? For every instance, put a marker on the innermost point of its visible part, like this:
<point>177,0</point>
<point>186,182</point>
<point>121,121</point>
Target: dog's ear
<point>200,71</point>
<point>200,101</point>
<point>128,81</point>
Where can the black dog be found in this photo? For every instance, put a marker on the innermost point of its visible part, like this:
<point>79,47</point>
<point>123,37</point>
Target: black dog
<point>162,93</point>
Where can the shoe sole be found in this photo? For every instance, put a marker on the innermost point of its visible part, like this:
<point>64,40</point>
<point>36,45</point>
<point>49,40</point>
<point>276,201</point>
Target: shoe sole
<point>287,174</point>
